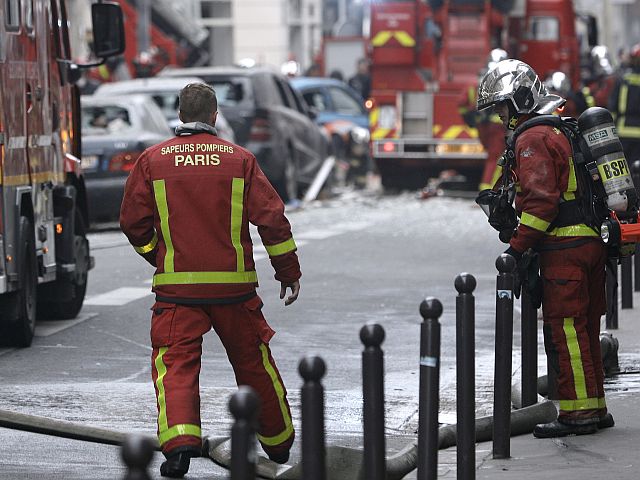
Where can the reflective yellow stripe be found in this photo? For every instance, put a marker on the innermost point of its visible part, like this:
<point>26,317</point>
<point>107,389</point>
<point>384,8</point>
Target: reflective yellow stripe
<point>281,248</point>
<point>288,424</point>
<point>401,36</point>
<point>602,403</point>
<point>404,38</point>
<point>160,193</point>
<point>485,186</point>
<point>237,194</point>
<point>373,117</point>
<point>622,100</point>
<point>575,358</point>
<point>572,184</point>
<point>582,404</point>
<point>149,246</point>
<point>534,222</point>
<point>380,133</point>
<point>581,230</point>
<point>188,278</point>
<point>178,430</point>
<point>381,38</point>
<point>161,368</point>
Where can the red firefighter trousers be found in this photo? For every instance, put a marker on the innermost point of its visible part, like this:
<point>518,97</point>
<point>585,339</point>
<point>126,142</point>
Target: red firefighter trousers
<point>573,303</point>
<point>176,337</point>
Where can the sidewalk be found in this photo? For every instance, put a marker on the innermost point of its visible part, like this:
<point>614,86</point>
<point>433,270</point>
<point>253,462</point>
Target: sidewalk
<point>613,453</point>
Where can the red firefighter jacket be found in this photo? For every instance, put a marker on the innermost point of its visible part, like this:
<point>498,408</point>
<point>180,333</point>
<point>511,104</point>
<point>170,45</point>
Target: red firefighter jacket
<point>187,207</point>
<point>546,177</point>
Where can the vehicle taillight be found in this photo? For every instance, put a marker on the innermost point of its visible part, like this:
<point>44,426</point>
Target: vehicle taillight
<point>260,130</point>
<point>123,161</point>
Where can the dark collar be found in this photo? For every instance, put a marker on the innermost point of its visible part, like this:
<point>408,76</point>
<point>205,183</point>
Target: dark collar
<point>192,128</point>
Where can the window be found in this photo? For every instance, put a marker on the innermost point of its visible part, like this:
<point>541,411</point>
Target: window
<point>215,9</point>
<point>315,100</point>
<point>232,91</point>
<point>12,14</point>
<point>28,20</point>
<point>107,119</point>
<point>544,29</point>
<point>345,103</point>
<point>285,96</point>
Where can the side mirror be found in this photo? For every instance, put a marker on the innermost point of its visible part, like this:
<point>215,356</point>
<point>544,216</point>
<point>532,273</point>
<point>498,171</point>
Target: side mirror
<point>108,29</point>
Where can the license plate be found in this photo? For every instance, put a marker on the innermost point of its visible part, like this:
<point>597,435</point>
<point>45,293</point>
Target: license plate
<point>89,162</point>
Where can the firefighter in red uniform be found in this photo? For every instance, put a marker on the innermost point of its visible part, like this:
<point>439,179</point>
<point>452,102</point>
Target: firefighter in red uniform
<point>490,129</point>
<point>572,256</point>
<point>187,207</point>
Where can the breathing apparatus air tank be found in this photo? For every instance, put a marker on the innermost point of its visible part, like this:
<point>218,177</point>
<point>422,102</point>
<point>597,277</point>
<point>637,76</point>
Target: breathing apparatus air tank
<point>599,133</point>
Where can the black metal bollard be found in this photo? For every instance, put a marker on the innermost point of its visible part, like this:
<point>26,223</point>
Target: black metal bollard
<point>429,396</point>
<point>529,350</point>
<point>505,264</point>
<point>244,406</point>
<point>137,452</point>
<point>612,296</point>
<point>626,282</point>
<point>465,283</point>
<point>375,462</point>
<point>312,369</point>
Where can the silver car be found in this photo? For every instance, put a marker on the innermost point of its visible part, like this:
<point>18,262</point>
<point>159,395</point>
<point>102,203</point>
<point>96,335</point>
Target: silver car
<point>163,91</point>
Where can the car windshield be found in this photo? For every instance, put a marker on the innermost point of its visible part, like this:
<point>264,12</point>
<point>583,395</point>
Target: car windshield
<point>105,119</point>
<point>167,102</point>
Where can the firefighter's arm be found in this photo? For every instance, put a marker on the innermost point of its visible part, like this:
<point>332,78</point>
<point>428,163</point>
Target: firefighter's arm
<point>266,211</point>
<point>136,212</point>
<point>540,189</point>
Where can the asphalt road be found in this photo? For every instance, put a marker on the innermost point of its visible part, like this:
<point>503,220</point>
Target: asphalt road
<point>364,259</point>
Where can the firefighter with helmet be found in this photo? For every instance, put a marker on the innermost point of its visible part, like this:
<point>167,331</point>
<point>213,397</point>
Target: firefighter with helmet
<point>186,209</point>
<point>571,255</point>
<point>488,124</point>
<point>624,104</point>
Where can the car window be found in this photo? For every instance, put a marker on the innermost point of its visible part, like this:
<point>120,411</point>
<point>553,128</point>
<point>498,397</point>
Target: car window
<point>231,91</point>
<point>345,103</point>
<point>152,121</point>
<point>167,103</point>
<point>105,119</point>
<point>285,96</point>
<point>316,100</point>
<point>299,103</point>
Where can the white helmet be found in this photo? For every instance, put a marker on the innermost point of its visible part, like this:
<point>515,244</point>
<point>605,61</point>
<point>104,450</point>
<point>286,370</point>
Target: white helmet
<point>558,83</point>
<point>517,83</point>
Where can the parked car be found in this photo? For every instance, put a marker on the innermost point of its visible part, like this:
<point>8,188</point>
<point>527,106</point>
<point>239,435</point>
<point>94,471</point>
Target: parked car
<point>115,131</point>
<point>271,120</point>
<point>163,91</point>
<point>341,112</point>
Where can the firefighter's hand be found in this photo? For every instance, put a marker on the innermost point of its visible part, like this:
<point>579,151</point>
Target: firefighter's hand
<point>295,290</point>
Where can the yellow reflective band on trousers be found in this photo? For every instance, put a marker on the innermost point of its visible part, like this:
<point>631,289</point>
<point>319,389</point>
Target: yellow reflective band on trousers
<point>580,230</point>
<point>149,246</point>
<point>281,248</point>
<point>160,193</point>
<point>170,276</point>
<point>166,433</point>
<point>288,424</point>
<point>582,402</point>
<point>534,222</point>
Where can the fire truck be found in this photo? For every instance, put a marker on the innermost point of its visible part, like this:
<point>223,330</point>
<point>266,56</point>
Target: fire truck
<point>423,55</point>
<point>44,252</point>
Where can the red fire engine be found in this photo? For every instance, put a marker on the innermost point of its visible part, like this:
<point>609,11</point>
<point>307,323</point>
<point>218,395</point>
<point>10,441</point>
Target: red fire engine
<point>424,54</point>
<point>44,253</point>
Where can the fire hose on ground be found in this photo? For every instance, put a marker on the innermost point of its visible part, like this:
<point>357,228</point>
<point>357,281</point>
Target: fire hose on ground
<point>343,463</point>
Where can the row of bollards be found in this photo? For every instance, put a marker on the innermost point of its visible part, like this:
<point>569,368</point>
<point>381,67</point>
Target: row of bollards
<point>244,404</point>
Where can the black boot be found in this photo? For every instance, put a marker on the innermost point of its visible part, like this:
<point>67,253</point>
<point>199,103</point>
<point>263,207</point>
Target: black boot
<point>177,463</point>
<point>559,429</point>
<point>606,421</point>
<point>281,457</point>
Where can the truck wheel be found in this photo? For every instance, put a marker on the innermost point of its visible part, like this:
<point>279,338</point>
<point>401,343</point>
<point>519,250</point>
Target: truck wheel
<point>67,309</point>
<point>19,308</point>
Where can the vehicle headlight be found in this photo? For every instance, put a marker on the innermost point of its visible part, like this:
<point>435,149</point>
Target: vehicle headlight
<point>360,135</point>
